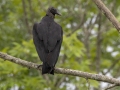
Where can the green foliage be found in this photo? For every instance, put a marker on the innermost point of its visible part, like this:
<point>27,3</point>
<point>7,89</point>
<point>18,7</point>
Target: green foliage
<point>73,46</point>
<point>24,50</point>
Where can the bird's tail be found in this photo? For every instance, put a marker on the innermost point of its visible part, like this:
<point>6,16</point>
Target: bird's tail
<point>47,69</point>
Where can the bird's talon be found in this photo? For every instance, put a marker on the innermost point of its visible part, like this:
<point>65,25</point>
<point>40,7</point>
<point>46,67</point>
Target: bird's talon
<point>39,66</point>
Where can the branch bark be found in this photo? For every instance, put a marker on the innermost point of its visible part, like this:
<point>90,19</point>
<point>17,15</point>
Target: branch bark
<point>61,70</point>
<point>108,13</point>
<point>25,16</point>
<point>98,44</point>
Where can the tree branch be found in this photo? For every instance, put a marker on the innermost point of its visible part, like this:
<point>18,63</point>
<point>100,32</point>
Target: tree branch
<point>61,70</point>
<point>111,86</point>
<point>107,13</point>
<point>25,16</point>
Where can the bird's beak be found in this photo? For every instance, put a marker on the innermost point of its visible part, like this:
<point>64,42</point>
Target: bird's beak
<point>58,13</point>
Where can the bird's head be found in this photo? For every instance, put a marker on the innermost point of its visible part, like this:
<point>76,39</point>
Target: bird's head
<point>52,11</point>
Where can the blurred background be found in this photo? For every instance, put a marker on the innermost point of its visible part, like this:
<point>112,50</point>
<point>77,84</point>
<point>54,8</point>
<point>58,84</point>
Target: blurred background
<point>90,44</point>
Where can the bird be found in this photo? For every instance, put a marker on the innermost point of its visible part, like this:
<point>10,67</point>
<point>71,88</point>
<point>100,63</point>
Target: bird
<point>47,38</point>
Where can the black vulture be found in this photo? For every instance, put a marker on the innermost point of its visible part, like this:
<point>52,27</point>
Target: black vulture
<point>47,38</point>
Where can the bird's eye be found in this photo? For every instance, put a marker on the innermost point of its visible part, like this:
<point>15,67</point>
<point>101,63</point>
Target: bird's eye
<point>52,10</point>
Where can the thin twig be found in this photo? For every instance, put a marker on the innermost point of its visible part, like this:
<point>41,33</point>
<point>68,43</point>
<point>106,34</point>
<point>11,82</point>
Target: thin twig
<point>88,83</point>
<point>111,86</point>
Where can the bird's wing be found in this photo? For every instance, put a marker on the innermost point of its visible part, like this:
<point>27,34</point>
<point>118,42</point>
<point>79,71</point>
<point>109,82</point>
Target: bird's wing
<point>48,42</point>
<point>37,38</point>
<point>53,55</point>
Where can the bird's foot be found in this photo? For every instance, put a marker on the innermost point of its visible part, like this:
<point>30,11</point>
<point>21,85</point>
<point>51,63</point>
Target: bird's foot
<point>39,66</point>
<point>51,71</point>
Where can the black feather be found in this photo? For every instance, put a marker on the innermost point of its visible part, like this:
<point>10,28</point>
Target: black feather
<point>47,37</point>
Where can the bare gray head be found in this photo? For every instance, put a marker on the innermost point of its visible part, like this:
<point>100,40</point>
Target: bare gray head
<point>52,12</point>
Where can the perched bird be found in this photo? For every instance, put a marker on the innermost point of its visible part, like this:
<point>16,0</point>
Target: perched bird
<point>47,37</point>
